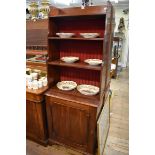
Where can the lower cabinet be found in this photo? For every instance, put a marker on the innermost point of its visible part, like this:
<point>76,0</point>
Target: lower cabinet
<point>36,125</point>
<point>71,124</point>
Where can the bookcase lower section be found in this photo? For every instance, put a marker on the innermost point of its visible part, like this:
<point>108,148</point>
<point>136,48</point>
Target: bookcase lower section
<point>72,124</point>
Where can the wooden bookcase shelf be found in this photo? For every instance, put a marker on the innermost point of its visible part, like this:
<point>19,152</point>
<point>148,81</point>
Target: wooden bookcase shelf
<point>75,38</point>
<point>74,65</point>
<point>86,100</point>
<point>75,16</point>
<point>72,117</point>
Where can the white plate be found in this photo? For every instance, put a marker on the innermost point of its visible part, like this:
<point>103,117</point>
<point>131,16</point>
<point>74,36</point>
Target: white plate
<point>65,35</point>
<point>88,89</point>
<point>93,62</point>
<point>67,85</point>
<point>70,59</point>
<point>89,35</point>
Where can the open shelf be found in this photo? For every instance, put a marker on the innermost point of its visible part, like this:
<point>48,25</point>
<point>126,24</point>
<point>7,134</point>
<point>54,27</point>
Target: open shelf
<point>76,38</point>
<point>79,75</point>
<point>75,65</point>
<point>73,96</point>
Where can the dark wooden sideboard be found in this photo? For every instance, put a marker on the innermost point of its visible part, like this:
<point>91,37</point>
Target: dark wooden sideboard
<point>36,124</point>
<point>36,44</point>
<point>72,117</point>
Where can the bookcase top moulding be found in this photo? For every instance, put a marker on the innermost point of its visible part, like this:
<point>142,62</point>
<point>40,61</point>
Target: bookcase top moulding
<point>77,11</point>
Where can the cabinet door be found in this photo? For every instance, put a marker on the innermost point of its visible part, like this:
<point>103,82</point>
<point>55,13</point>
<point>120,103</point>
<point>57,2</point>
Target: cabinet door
<point>69,124</point>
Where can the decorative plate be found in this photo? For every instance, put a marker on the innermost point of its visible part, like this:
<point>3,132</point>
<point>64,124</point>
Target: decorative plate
<point>88,89</point>
<point>93,62</point>
<point>65,35</point>
<point>70,59</point>
<point>89,35</point>
<point>67,85</point>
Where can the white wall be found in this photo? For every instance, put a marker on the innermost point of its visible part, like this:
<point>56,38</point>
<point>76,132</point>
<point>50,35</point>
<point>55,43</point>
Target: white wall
<point>125,50</point>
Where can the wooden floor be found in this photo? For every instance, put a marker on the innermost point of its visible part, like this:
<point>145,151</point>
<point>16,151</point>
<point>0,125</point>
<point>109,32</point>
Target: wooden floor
<point>118,138</point>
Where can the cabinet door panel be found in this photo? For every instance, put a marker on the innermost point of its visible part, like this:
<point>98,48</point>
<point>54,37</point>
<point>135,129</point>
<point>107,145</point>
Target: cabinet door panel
<point>59,118</point>
<point>69,124</point>
<point>78,126</point>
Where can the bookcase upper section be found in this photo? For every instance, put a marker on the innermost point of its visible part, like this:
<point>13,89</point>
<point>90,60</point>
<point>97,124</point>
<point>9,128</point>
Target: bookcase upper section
<point>77,11</point>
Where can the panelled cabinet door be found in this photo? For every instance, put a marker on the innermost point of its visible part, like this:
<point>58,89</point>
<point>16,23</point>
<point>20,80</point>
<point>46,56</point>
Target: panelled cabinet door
<point>69,124</point>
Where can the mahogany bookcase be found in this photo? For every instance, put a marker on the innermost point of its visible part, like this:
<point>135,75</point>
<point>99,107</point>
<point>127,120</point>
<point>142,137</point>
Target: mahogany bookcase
<point>72,117</point>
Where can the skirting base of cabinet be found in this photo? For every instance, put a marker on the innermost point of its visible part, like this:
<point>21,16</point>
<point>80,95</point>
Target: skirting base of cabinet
<point>41,142</point>
<point>52,142</point>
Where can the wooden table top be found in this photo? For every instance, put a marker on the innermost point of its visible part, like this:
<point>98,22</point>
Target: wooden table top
<point>37,91</point>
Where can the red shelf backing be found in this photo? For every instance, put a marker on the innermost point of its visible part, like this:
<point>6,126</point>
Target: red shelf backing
<point>83,50</point>
<point>84,25</point>
<point>81,76</point>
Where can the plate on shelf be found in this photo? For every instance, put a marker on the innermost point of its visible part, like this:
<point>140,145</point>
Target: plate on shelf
<point>65,35</point>
<point>93,62</point>
<point>67,85</point>
<point>70,59</point>
<point>88,89</point>
<point>89,35</point>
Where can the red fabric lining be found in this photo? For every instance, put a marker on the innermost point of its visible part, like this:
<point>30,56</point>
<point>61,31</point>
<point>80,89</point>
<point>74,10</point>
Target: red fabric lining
<point>80,76</point>
<point>82,26</point>
<point>82,49</point>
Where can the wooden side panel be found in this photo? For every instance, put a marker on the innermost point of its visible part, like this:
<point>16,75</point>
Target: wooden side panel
<point>107,50</point>
<point>36,122</point>
<point>31,120</point>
